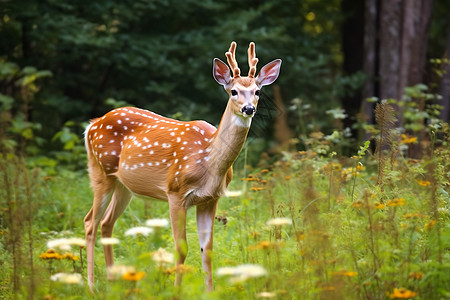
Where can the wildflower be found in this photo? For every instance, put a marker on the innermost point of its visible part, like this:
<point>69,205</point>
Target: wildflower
<point>429,225</point>
<point>265,245</point>
<point>414,216</point>
<point>379,205</point>
<point>357,204</point>
<point>251,177</point>
<point>402,293</point>
<point>408,139</point>
<point>145,231</point>
<point>181,269</point>
<point>416,275</point>
<point>345,273</point>
<point>120,270</point>
<point>50,254</point>
<point>66,243</point>
<point>109,241</point>
<point>242,272</point>
<point>396,202</point>
<point>266,295</point>
<point>423,182</point>
<point>264,171</point>
<point>76,242</point>
<point>162,256</point>
<point>279,222</point>
<point>133,276</point>
<point>69,278</point>
<point>256,189</point>
<point>316,135</point>
<point>287,178</point>
<point>231,194</point>
<point>254,234</point>
<point>71,257</point>
<point>157,223</point>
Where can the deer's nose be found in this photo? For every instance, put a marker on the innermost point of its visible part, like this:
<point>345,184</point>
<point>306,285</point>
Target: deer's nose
<point>248,110</point>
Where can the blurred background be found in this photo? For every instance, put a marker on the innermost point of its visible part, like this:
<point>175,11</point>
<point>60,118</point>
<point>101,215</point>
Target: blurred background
<point>64,62</point>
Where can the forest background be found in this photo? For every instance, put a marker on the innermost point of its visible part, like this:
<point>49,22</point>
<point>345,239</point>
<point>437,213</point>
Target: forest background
<point>63,63</point>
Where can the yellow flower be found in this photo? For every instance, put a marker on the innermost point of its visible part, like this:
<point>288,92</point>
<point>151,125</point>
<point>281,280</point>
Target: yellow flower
<point>345,273</point>
<point>69,256</point>
<point>408,139</point>
<point>264,171</point>
<point>287,177</point>
<point>265,245</point>
<point>416,275</point>
<point>50,254</point>
<point>357,204</point>
<point>379,205</point>
<point>402,293</point>
<point>396,202</point>
<point>423,182</point>
<point>256,189</point>
<point>414,216</point>
<point>429,225</point>
<point>182,269</point>
<point>133,276</point>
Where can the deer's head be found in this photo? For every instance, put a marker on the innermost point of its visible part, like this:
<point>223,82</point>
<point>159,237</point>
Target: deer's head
<point>244,91</point>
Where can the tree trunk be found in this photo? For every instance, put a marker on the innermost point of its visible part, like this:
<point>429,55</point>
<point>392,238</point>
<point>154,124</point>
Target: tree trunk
<point>444,89</point>
<point>370,61</point>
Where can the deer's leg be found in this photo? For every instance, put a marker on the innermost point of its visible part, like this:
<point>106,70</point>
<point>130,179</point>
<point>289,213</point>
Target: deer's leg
<point>205,223</point>
<point>178,222</point>
<point>103,186</point>
<point>120,200</point>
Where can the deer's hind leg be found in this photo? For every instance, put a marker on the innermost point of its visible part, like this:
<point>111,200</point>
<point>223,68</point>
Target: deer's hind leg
<point>103,186</point>
<point>120,200</point>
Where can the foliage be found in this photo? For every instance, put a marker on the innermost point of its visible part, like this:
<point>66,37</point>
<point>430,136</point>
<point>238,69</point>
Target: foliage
<point>158,54</point>
<point>335,233</point>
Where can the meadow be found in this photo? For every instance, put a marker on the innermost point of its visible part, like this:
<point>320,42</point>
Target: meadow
<point>303,225</point>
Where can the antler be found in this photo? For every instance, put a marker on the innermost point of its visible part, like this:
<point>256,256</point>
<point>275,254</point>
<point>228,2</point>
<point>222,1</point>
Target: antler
<point>231,58</point>
<point>252,60</point>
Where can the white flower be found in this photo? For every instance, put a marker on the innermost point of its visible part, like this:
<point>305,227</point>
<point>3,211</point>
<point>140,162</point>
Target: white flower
<point>162,256</point>
<point>69,278</point>
<point>266,295</point>
<point>279,222</point>
<point>242,272</point>
<point>157,223</point>
<point>231,194</point>
<point>65,244</point>
<point>109,241</point>
<point>76,242</point>
<point>119,270</point>
<point>226,271</point>
<point>145,231</point>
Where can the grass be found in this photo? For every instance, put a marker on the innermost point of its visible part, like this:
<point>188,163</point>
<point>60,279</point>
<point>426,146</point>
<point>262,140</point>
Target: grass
<point>347,237</point>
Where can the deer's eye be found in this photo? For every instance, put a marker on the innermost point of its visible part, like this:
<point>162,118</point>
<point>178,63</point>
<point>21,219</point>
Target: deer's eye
<point>257,93</point>
<point>233,93</point>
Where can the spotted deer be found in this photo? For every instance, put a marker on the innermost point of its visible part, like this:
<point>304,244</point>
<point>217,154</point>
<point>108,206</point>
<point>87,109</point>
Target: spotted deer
<point>132,151</point>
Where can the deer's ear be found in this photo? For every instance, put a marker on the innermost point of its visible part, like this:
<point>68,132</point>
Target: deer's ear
<point>269,73</point>
<point>221,72</point>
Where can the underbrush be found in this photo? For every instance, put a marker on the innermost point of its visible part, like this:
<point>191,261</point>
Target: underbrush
<point>304,227</point>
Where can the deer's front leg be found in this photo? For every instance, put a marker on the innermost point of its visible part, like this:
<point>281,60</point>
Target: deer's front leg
<point>178,222</point>
<point>205,223</point>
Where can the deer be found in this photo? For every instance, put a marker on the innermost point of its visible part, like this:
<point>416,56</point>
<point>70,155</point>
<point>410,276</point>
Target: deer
<point>135,152</point>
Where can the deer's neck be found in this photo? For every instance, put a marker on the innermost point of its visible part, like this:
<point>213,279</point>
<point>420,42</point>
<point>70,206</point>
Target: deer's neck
<point>228,141</point>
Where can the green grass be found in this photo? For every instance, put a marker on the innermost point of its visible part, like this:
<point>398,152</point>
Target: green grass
<point>345,241</point>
